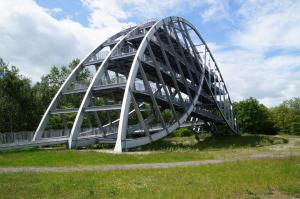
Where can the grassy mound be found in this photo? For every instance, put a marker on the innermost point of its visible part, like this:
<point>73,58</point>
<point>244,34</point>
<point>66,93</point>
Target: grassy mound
<point>213,142</point>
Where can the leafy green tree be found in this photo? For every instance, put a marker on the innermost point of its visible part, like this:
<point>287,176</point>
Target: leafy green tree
<point>22,105</point>
<point>50,83</point>
<point>17,107</point>
<point>253,117</point>
<point>45,90</point>
<point>286,116</point>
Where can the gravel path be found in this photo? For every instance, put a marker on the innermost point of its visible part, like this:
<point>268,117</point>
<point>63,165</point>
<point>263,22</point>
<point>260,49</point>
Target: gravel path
<point>283,147</point>
<point>135,166</point>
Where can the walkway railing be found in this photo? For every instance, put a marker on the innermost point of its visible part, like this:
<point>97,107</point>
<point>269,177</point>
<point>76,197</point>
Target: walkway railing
<point>26,136</point>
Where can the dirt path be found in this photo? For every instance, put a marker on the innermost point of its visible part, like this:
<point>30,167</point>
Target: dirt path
<point>136,166</point>
<point>282,147</point>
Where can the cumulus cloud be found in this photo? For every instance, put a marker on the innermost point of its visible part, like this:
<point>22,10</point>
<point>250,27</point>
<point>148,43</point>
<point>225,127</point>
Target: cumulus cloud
<point>251,74</point>
<point>216,10</point>
<point>33,40</point>
<point>262,55</point>
<point>246,58</point>
<point>105,14</point>
<point>54,11</point>
<point>116,11</point>
<point>268,25</point>
<point>258,57</point>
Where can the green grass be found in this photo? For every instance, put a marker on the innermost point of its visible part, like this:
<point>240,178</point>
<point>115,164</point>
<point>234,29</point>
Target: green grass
<point>171,149</point>
<point>269,178</point>
<point>43,158</point>
<point>278,178</point>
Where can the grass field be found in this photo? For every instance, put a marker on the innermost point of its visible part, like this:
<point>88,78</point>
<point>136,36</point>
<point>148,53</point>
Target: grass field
<point>172,149</point>
<point>250,179</point>
<point>278,178</point>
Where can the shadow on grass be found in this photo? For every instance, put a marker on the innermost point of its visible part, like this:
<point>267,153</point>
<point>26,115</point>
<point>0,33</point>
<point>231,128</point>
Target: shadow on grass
<point>214,142</point>
<point>58,147</point>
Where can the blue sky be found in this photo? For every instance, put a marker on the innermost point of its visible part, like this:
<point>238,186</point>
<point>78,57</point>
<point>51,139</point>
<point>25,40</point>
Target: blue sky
<point>67,9</point>
<point>80,13</point>
<point>256,43</point>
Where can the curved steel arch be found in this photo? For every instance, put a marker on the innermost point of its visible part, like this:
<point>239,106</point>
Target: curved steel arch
<point>127,97</point>
<point>79,117</point>
<point>176,73</point>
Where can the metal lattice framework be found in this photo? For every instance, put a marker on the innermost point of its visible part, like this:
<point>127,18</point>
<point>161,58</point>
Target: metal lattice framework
<point>141,74</point>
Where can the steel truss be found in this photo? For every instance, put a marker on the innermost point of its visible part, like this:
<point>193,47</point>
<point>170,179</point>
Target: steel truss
<point>143,72</point>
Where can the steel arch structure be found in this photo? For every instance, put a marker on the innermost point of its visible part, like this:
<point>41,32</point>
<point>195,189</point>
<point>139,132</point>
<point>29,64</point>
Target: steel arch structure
<point>147,81</point>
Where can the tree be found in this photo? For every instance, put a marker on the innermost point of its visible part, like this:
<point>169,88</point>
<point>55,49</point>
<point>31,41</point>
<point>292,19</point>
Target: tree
<point>286,116</point>
<point>253,117</point>
<point>17,107</point>
<point>45,90</point>
<point>22,105</point>
<point>48,86</point>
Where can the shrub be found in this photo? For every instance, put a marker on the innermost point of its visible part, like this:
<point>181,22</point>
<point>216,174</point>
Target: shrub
<point>183,132</point>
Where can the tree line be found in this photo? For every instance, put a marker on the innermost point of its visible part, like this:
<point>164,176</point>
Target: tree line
<point>22,104</point>
<point>254,117</point>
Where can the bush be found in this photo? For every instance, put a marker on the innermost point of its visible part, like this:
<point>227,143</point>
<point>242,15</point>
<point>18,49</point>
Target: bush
<point>183,132</point>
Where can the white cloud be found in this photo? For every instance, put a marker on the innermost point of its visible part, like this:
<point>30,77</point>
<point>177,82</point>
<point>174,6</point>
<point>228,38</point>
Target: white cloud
<point>260,58</point>
<point>251,74</point>
<point>216,10</point>
<point>33,40</point>
<point>105,14</point>
<point>54,11</point>
<point>269,25</point>
<point>158,9</point>
<point>115,11</point>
